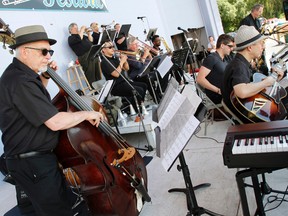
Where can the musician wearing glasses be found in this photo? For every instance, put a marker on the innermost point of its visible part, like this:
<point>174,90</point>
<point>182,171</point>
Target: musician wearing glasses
<point>211,72</point>
<point>116,73</point>
<point>238,76</point>
<point>30,123</point>
<point>137,64</point>
<point>80,41</point>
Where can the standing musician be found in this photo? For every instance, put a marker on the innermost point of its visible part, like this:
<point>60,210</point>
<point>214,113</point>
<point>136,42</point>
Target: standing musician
<point>121,38</point>
<point>95,32</point>
<point>156,41</point>
<point>252,18</point>
<point>80,41</point>
<point>30,123</point>
<point>237,75</point>
<point>120,87</point>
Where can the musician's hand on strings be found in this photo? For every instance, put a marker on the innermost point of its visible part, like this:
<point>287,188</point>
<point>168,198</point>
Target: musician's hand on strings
<point>52,64</point>
<point>269,81</point>
<point>277,68</point>
<point>95,118</point>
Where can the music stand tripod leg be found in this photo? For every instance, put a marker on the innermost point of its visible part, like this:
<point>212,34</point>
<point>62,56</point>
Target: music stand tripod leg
<point>154,94</point>
<point>149,147</point>
<point>192,204</point>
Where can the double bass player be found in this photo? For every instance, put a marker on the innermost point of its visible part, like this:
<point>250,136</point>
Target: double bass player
<point>30,123</point>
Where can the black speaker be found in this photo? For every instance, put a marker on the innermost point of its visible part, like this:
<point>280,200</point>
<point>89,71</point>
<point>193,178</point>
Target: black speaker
<point>285,8</point>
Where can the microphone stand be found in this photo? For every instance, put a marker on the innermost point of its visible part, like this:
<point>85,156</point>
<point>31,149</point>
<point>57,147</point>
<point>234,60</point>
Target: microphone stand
<point>190,55</point>
<point>135,93</point>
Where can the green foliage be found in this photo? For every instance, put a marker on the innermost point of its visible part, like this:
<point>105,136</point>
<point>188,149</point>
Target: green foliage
<point>233,11</point>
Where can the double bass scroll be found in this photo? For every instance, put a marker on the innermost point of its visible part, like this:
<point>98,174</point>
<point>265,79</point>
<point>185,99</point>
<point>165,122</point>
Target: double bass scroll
<point>109,172</point>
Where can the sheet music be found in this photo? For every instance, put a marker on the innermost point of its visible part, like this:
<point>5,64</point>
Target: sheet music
<point>171,109</point>
<point>192,97</point>
<point>165,66</point>
<point>169,93</point>
<point>172,153</point>
<point>177,132</point>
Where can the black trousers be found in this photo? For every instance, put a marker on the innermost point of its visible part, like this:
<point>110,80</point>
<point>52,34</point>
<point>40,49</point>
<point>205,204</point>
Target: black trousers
<point>43,182</point>
<point>123,89</point>
<point>91,68</point>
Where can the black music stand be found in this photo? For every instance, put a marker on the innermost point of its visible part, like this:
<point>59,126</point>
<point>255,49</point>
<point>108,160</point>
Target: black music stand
<point>151,33</point>
<point>94,52</point>
<point>192,205</point>
<point>108,35</point>
<point>150,67</point>
<point>179,58</point>
<point>124,30</point>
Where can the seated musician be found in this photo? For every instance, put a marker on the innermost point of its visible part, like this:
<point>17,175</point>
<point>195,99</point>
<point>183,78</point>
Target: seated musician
<point>137,64</point>
<point>237,75</point>
<point>80,41</point>
<point>120,86</point>
<point>211,72</point>
<point>156,41</point>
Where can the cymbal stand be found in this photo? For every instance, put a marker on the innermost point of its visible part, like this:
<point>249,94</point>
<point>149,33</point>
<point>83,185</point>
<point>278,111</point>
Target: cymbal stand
<point>135,94</point>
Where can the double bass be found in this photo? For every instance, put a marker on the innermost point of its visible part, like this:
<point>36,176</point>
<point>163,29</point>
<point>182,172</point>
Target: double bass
<point>97,162</point>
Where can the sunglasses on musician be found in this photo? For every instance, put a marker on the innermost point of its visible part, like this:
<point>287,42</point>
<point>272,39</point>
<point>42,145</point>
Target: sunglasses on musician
<point>109,47</point>
<point>44,51</point>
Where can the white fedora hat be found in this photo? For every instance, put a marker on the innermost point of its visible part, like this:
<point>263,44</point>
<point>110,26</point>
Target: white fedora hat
<point>246,36</point>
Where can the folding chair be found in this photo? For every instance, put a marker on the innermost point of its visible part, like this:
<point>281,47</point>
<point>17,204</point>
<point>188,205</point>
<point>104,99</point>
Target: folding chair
<point>210,106</point>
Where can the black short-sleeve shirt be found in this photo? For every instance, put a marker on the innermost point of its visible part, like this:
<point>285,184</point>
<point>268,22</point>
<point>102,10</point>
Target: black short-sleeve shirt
<point>25,105</point>
<point>78,45</point>
<point>237,71</point>
<point>217,66</point>
<point>107,69</point>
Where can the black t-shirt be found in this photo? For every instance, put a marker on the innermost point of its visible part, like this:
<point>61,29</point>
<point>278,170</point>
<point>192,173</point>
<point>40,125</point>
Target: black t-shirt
<point>96,37</point>
<point>25,105</point>
<point>107,69</point>
<point>123,45</point>
<point>217,66</point>
<point>250,21</point>
<point>237,71</point>
<point>78,45</point>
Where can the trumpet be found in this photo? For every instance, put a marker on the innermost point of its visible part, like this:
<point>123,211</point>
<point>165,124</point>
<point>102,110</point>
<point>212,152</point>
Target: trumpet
<point>88,29</point>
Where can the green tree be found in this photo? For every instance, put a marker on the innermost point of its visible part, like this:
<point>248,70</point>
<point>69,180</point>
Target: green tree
<point>233,11</point>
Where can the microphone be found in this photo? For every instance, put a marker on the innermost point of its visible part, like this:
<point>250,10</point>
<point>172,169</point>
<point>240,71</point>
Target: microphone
<point>179,28</point>
<point>104,26</point>
<point>191,29</point>
<point>141,17</point>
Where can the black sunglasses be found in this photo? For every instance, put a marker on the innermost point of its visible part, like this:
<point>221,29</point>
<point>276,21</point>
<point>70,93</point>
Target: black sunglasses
<point>229,45</point>
<point>44,51</point>
<point>110,47</point>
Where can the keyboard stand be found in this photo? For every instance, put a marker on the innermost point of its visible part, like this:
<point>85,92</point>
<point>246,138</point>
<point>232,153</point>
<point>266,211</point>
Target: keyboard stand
<point>258,193</point>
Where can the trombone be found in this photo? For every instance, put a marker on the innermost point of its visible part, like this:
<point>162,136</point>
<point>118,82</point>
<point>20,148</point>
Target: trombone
<point>143,45</point>
<point>137,54</point>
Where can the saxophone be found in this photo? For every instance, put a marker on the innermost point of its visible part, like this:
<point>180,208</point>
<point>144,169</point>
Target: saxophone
<point>168,50</point>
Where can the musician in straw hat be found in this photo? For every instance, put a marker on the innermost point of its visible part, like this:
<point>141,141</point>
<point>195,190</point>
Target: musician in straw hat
<point>30,123</point>
<point>237,75</point>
